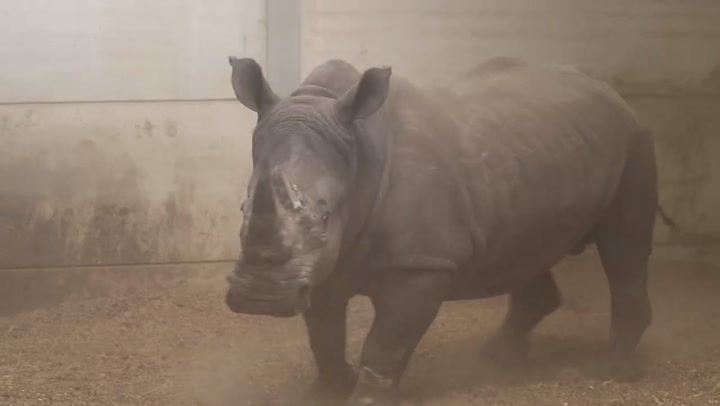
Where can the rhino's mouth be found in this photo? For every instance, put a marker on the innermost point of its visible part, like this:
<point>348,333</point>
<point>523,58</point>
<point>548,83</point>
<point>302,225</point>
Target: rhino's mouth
<point>285,299</point>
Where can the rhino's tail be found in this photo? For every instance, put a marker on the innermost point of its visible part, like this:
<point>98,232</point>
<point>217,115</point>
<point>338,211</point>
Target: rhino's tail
<point>672,224</point>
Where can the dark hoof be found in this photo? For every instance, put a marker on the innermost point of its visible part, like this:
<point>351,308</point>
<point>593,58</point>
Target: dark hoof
<point>505,352</point>
<point>331,390</point>
<point>374,390</point>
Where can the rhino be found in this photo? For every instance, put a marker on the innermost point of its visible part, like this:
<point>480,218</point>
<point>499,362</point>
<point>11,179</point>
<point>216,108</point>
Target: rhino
<point>365,184</point>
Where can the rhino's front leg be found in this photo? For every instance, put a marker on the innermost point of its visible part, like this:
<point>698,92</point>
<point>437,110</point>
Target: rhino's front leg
<point>405,306</point>
<point>326,324</point>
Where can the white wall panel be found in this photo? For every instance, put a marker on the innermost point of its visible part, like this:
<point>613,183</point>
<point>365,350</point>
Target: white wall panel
<point>429,40</point>
<point>93,50</point>
<point>134,181</point>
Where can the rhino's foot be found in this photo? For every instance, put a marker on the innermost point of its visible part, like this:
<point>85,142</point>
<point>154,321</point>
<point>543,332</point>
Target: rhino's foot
<point>619,369</point>
<point>505,351</point>
<point>374,390</point>
<point>332,389</point>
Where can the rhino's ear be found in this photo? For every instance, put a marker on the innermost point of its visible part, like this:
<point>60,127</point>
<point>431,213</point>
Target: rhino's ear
<point>250,85</point>
<point>365,97</point>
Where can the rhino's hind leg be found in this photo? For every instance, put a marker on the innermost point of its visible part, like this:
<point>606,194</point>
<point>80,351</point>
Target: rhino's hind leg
<point>626,270</point>
<point>529,304</point>
<point>625,243</point>
<point>630,305</point>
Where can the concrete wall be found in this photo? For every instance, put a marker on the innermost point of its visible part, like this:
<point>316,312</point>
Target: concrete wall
<point>80,50</point>
<point>120,141</point>
<point>663,55</point>
<point>120,138</point>
<point>121,182</point>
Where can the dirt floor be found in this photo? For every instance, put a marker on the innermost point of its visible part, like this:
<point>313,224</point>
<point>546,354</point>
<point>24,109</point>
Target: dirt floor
<point>172,342</point>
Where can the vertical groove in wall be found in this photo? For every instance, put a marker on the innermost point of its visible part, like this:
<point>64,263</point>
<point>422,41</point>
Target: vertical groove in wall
<point>283,45</point>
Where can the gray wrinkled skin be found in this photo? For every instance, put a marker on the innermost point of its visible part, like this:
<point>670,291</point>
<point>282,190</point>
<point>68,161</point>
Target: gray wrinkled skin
<point>363,184</point>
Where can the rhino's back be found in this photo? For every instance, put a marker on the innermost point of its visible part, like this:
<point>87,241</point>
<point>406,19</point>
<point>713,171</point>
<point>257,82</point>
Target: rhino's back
<point>512,168</point>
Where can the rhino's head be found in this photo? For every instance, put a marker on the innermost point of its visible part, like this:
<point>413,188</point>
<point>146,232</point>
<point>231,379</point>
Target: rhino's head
<point>296,206</point>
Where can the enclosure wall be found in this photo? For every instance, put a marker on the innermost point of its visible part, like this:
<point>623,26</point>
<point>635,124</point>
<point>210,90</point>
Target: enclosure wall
<point>120,136</point>
<point>121,141</point>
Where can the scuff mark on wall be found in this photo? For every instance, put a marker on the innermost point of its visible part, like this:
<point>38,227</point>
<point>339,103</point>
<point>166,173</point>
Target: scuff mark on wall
<point>712,80</point>
<point>171,129</point>
<point>82,188</point>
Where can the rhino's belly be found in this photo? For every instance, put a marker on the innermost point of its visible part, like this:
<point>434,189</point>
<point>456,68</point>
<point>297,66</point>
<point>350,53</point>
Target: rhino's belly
<point>521,248</point>
<point>483,281</point>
